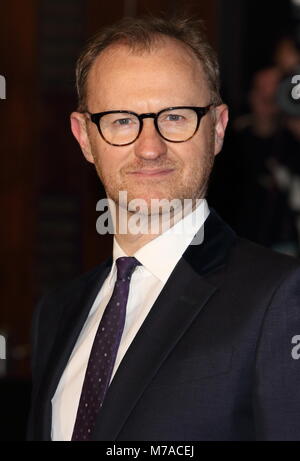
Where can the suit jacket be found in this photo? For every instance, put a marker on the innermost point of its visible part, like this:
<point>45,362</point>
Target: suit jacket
<point>214,359</point>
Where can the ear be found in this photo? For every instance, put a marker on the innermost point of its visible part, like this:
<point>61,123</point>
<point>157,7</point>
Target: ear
<point>221,120</point>
<point>79,130</point>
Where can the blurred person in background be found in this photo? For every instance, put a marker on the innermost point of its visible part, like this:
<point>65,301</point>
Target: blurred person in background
<point>263,151</point>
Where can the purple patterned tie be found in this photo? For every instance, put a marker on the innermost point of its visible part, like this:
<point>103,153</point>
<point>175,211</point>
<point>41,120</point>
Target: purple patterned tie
<point>104,352</point>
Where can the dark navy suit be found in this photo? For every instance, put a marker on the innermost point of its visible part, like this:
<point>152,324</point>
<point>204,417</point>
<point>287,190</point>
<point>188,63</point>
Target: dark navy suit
<point>212,361</point>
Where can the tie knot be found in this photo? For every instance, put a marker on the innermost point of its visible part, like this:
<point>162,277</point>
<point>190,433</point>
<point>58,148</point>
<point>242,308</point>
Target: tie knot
<point>126,266</point>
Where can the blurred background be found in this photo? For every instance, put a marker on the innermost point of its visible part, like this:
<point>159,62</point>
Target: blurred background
<point>49,192</point>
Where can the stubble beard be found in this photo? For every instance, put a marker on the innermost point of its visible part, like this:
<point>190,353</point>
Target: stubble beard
<point>193,189</point>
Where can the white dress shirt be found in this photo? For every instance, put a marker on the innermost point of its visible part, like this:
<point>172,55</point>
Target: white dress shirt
<point>158,259</point>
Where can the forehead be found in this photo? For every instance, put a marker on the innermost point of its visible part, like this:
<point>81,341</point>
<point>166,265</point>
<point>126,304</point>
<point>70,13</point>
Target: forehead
<point>168,72</point>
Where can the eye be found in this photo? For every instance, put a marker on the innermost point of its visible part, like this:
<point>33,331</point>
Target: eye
<point>123,121</point>
<point>177,116</point>
<point>174,117</point>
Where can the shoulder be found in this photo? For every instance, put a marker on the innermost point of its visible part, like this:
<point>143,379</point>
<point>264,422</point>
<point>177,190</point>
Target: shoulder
<point>56,308</point>
<point>58,301</point>
<point>259,272</point>
<point>254,256</point>
<point>64,290</point>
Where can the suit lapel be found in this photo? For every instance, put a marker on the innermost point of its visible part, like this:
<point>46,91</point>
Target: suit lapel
<point>180,302</point>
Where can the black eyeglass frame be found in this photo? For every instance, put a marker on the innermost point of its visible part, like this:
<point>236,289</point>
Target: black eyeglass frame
<point>200,111</point>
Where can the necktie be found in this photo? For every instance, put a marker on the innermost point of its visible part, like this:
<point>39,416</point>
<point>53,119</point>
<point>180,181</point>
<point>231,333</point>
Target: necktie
<point>103,353</point>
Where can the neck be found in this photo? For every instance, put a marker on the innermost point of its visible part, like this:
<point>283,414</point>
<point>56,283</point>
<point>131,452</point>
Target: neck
<point>130,244</point>
<point>133,231</point>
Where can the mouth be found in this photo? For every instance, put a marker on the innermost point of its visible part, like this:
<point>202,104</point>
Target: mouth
<point>152,173</point>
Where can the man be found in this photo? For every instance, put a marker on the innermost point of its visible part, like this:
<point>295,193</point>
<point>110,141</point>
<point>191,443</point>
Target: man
<point>207,345</point>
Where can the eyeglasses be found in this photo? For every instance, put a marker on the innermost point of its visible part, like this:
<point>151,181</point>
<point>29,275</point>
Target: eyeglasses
<point>123,127</point>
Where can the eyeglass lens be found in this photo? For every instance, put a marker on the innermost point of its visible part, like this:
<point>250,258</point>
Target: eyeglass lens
<point>174,125</point>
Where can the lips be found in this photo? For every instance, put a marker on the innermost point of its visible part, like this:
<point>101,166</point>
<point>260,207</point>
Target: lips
<point>153,172</point>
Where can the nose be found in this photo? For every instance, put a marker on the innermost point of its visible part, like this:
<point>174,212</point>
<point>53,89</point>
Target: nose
<point>150,144</point>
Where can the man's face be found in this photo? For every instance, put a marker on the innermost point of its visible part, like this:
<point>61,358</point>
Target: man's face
<point>148,82</point>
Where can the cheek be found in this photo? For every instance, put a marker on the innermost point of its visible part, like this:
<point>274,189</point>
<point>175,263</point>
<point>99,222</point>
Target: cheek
<point>195,156</point>
<point>198,158</point>
<point>107,160</point>
<point>99,151</point>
